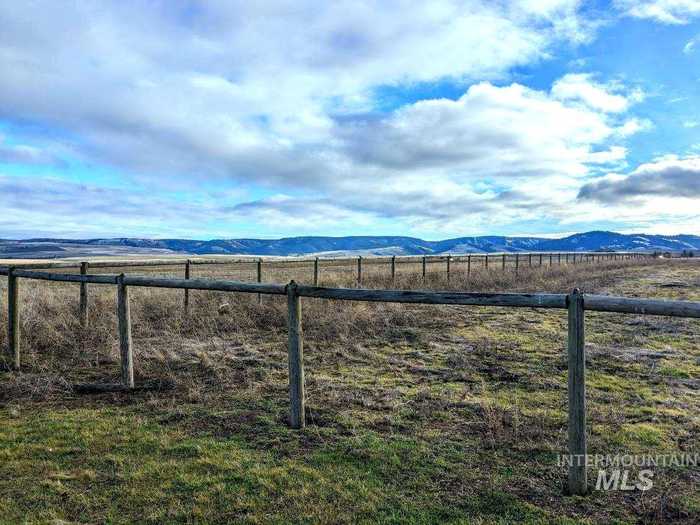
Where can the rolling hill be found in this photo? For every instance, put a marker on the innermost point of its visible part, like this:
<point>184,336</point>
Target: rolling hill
<point>356,245</point>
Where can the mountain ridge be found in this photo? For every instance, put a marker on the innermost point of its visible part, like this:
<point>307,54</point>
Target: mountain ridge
<point>46,247</point>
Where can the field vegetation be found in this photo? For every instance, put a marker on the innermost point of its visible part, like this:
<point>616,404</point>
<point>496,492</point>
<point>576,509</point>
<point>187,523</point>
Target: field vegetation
<point>415,413</point>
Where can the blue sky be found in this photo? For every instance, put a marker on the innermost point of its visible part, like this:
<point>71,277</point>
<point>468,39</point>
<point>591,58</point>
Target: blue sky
<point>229,119</point>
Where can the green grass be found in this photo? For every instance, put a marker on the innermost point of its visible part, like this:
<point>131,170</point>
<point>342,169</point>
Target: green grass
<point>118,465</point>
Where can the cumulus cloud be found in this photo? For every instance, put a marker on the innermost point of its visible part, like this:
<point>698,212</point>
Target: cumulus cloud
<point>217,91</point>
<point>490,131</point>
<point>282,97</point>
<point>581,87</point>
<point>665,11</point>
<point>666,177</point>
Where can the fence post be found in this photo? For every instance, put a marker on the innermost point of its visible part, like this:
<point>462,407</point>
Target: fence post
<point>517,263</point>
<point>359,270</point>
<point>448,267</point>
<point>503,262</point>
<point>469,265</point>
<point>187,292</point>
<point>529,259</point>
<point>486,261</point>
<point>296,358</point>
<point>260,278</point>
<point>578,479</point>
<point>316,271</point>
<point>424,268</point>
<point>393,268</point>
<point>540,259</point>
<point>13,317</point>
<point>125,346</point>
<point>559,259</point>
<point>83,296</point>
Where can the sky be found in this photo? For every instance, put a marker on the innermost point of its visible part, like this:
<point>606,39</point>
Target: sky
<point>227,119</point>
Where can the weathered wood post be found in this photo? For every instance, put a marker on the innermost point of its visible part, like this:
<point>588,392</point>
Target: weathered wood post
<point>316,271</point>
<point>559,259</point>
<point>503,262</point>
<point>260,278</point>
<point>296,358</point>
<point>359,270</point>
<point>486,261</point>
<point>550,259</point>
<point>540,259</point>
<point>567,258</point>
<point>469,265</point>
<point>424,268</point>
<point>13,317</point>
<point>517,263</point>
<point>448,267</point>
<point>578,479</point>
<point>393,268</point>
<point>187,292</point>
<point>125,346</point>
<point>83,296</point>
<point>529,259</point>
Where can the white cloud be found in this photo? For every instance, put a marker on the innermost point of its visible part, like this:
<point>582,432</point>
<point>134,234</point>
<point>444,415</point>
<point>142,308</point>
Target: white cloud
<point>665,11</point>
<point>581,87</point>
<point>213,90</point>
<point>283,96</point>
<point>490,131</point>
<point>632,126</point>
<point>495,152</point>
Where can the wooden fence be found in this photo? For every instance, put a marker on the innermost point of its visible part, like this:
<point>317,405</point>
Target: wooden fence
<point>576,303</point>
<point>492,261</point>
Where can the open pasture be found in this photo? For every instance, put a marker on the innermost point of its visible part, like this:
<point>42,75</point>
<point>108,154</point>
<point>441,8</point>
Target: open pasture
<point>415,413</point>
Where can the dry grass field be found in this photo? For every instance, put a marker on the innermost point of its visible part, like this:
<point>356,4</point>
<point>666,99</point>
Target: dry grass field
<point>415,413</point>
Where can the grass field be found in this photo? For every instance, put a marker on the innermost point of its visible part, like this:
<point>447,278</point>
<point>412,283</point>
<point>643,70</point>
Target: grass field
<point>416,414</point>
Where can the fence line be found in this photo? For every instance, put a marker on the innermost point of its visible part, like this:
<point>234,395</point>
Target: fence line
<point>575,303</point>
<point>126,263</point>
<point>425,260</point>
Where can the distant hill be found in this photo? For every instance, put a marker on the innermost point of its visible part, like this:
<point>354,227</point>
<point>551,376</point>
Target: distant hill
<point>361,245</point>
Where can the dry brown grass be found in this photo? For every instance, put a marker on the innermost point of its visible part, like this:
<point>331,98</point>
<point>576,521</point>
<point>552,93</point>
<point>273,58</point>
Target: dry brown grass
<point>57,351</point>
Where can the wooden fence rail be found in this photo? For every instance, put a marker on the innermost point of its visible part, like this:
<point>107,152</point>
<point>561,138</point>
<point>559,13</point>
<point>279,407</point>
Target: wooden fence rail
<point>575,303</point>
<point>402,259</point>
<point>187,264</point>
